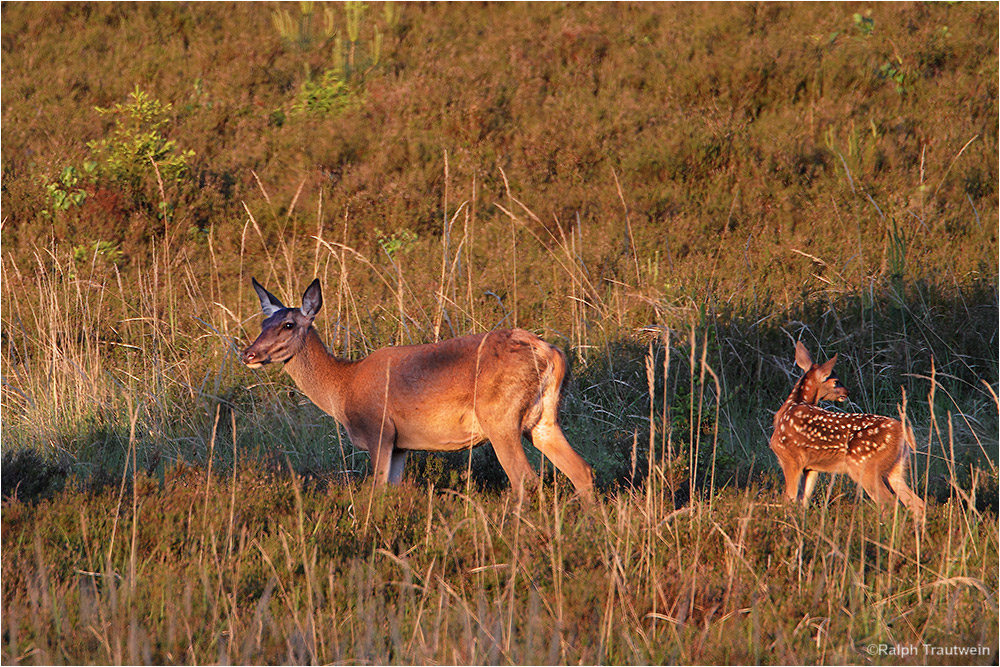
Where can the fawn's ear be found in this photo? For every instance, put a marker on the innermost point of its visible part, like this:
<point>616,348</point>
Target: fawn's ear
<point>803,359</point>
<point>268,302</point>
<point>312,299</point>
<point>827,368</point>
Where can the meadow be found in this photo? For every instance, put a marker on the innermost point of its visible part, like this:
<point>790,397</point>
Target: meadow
<point>672,194</point>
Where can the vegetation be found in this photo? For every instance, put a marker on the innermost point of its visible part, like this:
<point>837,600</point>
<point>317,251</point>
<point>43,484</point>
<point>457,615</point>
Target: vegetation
<point>250,568</point>
<point>673,194</point>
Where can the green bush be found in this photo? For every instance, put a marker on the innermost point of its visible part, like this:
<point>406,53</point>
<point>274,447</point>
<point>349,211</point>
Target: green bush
<point>136,151</point>
<point>329,95</point>
<point>65,192</point>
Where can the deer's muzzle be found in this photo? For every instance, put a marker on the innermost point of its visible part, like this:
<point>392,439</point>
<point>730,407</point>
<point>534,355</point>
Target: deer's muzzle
<point>252,359</point>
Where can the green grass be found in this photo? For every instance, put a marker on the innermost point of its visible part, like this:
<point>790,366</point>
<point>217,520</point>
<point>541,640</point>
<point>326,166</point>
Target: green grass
<point>672,194</point>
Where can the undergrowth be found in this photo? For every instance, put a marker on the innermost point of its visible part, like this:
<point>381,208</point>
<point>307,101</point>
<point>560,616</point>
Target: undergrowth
<point>248,567</point>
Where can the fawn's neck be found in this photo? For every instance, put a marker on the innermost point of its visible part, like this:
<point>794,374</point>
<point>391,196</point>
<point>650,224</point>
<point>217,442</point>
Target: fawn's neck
<point>796,397</point>
<point>319,375</point>
<point>806,390</point>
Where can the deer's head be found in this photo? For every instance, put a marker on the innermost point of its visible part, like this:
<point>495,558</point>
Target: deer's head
<point>283,332</point>
<point>819,383</point>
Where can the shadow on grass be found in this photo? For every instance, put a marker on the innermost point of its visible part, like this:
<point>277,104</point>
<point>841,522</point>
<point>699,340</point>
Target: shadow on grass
<point>708,436</point>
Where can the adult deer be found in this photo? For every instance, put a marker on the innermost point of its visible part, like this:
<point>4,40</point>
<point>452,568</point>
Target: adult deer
<point>443,397</point>
<point>873,450</point>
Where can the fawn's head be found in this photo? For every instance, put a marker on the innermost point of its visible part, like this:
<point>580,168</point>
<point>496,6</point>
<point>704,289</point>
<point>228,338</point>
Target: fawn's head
<point>819,383</point>
<point>283,331</point>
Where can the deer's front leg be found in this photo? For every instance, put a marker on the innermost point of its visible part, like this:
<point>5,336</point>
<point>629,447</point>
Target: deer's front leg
<point>396,463</point>
<point>378,436</point>
<point>793,476</point>
<point>808,486</point>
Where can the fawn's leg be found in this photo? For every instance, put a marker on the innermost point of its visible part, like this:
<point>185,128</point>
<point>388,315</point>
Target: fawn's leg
<point>874,483</point>
<point>809,485</point>
<point>793,473</point>
<point>897,480</point>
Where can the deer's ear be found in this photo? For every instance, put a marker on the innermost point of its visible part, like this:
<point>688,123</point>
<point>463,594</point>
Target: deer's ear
<point>803,359</point>
<point>268,302</point>
<point>312,300</point>
<point>827,368</point>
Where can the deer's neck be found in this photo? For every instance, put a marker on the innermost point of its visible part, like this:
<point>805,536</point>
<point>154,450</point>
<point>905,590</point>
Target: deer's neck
<point>805,390</point>
<point>319,375</point>
<point>796,397</point>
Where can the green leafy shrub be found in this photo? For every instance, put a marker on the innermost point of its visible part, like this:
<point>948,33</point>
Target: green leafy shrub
<point>893,70</point>
<point>393,242</point>
<point>327,96</point>
<point>864,24</point>
<point>105,249</point>
<point>66,191</point>
<point>136,149</point>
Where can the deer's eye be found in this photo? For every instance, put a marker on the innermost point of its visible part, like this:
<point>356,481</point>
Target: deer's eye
<point>289,326</point>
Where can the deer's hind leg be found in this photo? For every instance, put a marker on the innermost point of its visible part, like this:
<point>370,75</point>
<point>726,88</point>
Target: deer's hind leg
<point>545,433</point>
<point>550,441</point>
<point>897,480</point>
<point>505,436</point>
<point>874,482</point>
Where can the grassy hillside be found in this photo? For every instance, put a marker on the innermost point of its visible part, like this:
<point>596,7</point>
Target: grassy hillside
<point>735,134</point>
<point>673,194</point>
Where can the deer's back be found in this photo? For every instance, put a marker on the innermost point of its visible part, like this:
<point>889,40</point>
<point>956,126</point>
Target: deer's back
<point>824,438</point>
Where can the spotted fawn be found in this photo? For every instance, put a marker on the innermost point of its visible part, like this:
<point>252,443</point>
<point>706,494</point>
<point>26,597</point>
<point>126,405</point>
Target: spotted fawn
<point>873,450</point>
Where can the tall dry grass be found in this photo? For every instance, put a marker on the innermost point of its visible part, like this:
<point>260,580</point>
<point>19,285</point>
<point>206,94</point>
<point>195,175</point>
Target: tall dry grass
<point>242,566</point>
<point>208,517</point>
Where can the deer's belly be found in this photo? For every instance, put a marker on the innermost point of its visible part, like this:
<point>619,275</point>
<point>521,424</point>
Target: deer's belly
<point>440,444</point>
<point>441,435</point>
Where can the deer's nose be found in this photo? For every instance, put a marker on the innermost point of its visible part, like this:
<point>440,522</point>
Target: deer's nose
<point>248,356</point>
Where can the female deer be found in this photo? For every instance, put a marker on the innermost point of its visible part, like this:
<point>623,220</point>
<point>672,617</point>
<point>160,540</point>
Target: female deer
<point>442,397</point>
<point>873,450</point>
